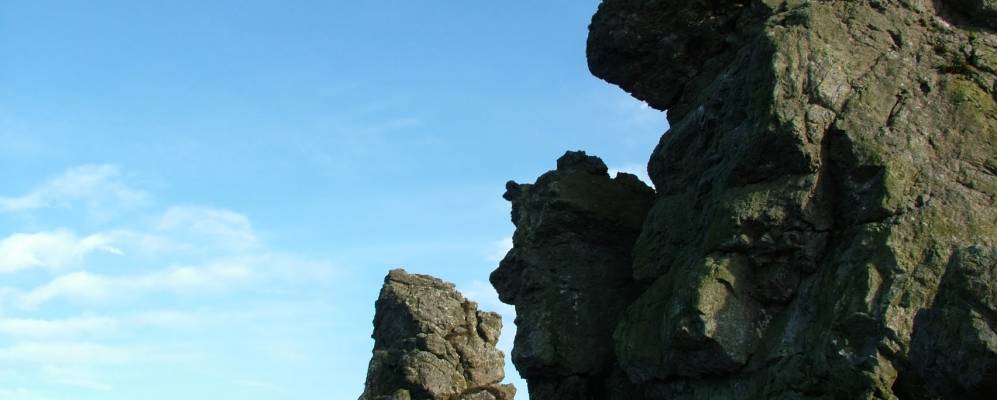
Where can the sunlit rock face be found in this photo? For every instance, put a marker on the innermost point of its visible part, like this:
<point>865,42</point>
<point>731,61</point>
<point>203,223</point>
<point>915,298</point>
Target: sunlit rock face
<point>430,343</point>
<point>823,224</point>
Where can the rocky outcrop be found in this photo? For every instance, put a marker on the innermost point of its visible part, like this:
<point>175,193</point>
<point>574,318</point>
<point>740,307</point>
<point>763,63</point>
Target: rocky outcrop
<point>824,222</point>
<point>569,275</point>
<point>430,343</point>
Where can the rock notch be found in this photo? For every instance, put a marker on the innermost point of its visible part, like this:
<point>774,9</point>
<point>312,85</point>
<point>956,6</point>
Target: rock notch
<point>430,343</point>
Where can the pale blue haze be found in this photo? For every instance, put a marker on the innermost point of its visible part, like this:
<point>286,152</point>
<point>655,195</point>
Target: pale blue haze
<point>201,198</point>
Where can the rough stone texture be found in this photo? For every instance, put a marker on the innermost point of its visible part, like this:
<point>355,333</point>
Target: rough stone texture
<point>954,341</point>
<point>823,225</point>
<point>569,273</point>
<point>432,343</point>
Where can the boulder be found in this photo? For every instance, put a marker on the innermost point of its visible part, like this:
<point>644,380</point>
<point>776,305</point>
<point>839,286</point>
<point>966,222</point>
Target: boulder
<point>430,343</point>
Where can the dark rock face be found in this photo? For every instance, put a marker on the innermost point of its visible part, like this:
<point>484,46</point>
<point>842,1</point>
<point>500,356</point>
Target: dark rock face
<point>954,341</point>
<point>824,224</point>
<point>651,48</point>
<point>983,12</point>
<point>569,273</point>
<point>430,343</point>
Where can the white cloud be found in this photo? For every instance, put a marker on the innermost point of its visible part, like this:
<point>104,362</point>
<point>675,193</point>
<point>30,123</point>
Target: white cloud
<point>20,393</point>
<point>65,353</point>
<point>48,328</point>
<point>166,319</point>
<point>634,169</point>
<point>223,227</point>
<point>78,377</point>
<point>53,249</point>
<point>150,294</point>
<point>102,326</point>
<point>264,272</point>
<point>80,285</point>
<point>88,287</point>
<point>95,185</point>
<point>498,249</point>
<point>185,278</point>
<point>142,243</point>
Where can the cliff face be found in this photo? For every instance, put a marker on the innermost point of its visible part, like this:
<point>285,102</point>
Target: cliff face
<point>823,224</point>
<point>430,343</point>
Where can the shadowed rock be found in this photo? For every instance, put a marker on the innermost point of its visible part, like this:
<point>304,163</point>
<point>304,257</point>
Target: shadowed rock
<point>824,222</point>
<point>430,343</point>
<point>569,273</point>
<point>954,341</point>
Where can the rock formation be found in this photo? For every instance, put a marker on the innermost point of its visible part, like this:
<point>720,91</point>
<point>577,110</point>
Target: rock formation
<point>430,343</point>
<point>569,273</point>
<point>824,222</point>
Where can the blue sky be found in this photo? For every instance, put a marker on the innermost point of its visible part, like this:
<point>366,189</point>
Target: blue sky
<point>201,200</point>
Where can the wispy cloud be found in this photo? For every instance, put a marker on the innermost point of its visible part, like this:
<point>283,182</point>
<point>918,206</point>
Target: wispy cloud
<point>137,285</point>
<point>53,249</point>
<point>96,186</point>
<point>274,272</point>
<point>166,319</point>
<point>103,326</point>
<point>65,353</point>
<point>77,285</point>
<point>54,328</point>
<point>177,230</point>
<point>20,393</point>
<point>88,287</point>
<point>222,227</point>
<point>78,377</point>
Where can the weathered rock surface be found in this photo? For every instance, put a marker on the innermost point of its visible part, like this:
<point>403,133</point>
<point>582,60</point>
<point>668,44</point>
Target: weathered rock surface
<point>569,273</point>
<point>824,223</point>
<point>432,343</point>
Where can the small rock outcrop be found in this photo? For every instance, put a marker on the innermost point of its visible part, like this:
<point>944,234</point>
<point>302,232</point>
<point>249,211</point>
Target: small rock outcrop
<point>824,222</point>
<point>569,275</point>
<point>430,343</point>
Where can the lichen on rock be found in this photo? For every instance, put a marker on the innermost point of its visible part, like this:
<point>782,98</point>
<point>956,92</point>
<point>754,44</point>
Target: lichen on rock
<point>569,273</point>
<point>823,225</point>
<point>430,343</point>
